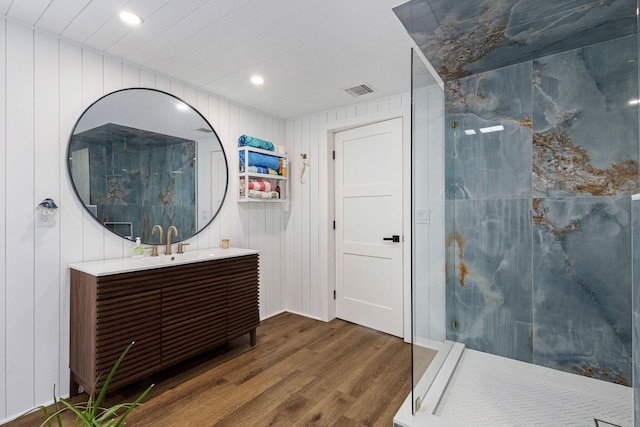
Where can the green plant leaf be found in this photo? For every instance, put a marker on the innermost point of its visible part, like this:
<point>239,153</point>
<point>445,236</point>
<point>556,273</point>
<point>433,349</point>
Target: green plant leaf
<point>90,413</point>
<point>103,391</point>
<point>56,407</point>
<point>79,414</point>
<point>112,412</point>
<point>133,405</point>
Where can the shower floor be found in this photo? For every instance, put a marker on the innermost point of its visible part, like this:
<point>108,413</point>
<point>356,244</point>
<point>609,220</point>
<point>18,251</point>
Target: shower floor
<point>488,390</point>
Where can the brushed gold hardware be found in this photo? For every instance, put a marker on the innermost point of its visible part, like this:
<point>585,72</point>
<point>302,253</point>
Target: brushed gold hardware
<point>157,228</point>
<point>154,248</point>
<point>181,247</point>
<point>454,324</point>
<point>173,228</point>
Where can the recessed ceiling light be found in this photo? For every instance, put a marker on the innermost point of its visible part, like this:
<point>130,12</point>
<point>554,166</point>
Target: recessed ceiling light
<point>130,18</point>
<point>470,132</point>
<point>182,106</point>
<point>257,80</point>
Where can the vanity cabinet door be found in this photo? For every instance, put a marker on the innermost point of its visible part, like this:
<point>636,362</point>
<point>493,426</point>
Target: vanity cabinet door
<point>121,320</point>
<point>242,299</point>
<point>107,313</point>
<point>194,318</point>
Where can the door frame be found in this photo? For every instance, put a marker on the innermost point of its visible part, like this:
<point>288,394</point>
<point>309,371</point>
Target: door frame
<point>326,166</point>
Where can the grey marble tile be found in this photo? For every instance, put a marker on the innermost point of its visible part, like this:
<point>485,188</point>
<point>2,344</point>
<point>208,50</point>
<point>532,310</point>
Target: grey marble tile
<point>585,139</point>
<point>451,267</point>
<point>495,164</point>
<point>635,236</point>
<point>582,286</point>
<point>460,38</point>
<point>489,298</point>
<point>636,370</point>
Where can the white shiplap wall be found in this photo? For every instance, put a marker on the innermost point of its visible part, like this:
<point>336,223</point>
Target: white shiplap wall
<point>45,84</point>
<point>309,259</point>
<point>3,225</point>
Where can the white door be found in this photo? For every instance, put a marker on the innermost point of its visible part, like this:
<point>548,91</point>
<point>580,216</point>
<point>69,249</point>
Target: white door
<point>368,212</point>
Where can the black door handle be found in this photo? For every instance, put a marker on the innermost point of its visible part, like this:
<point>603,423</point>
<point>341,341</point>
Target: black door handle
<point>395,238</point>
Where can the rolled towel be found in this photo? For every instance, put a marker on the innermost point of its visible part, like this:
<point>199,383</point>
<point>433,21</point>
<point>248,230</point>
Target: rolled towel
<point>260,184</point>
<point>250,141</point>
<point>259,159</point>
<point>255,194</point>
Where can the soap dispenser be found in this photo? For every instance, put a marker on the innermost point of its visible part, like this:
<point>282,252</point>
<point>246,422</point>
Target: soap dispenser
<point>138,250</point>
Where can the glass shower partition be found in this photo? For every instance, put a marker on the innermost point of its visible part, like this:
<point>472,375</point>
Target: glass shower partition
<point>429,348</point>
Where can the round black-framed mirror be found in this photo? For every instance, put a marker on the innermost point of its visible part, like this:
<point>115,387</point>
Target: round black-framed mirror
<point>141,157</point>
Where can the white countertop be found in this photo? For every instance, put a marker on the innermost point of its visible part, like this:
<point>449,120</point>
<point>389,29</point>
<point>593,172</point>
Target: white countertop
<point>127,265</point>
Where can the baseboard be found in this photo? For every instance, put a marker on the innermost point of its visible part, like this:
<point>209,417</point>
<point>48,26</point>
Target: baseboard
<point>292,312</point>
<point>426,343</point>
<point>272,315</point>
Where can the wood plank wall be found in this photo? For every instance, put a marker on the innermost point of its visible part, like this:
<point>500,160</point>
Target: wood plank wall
<point>46,84</point>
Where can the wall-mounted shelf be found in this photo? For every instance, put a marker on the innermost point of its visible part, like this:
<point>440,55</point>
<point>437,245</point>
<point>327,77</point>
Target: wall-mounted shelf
<point>274,184</point>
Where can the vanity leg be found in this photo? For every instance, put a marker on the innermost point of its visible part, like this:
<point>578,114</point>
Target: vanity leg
<point>252,335</point>
<point>74,387</point>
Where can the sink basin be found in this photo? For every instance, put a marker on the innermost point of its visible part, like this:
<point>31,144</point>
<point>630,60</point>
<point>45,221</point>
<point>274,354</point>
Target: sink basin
<point>178,258</point>
<point>189,256</point>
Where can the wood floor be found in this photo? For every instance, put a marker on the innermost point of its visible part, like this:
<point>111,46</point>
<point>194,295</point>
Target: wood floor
<point>302,372</point>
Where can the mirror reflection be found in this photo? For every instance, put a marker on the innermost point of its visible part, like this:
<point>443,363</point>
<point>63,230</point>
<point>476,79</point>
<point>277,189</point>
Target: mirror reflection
<point>142,157</point>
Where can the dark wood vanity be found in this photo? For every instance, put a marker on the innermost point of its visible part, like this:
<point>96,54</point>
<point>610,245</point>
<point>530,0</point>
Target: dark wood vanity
<point>172,312</point>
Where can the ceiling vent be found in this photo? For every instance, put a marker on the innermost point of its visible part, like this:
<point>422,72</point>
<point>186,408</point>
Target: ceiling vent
<point>205,130</point>
<point>359,90</point>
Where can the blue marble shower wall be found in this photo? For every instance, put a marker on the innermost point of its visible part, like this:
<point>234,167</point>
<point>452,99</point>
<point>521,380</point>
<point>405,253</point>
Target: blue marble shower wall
<point>143,179</point>
<point>539,250</point>
<point>635,220</point>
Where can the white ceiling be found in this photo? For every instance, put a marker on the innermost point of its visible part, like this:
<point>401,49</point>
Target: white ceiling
<point>307,50</point>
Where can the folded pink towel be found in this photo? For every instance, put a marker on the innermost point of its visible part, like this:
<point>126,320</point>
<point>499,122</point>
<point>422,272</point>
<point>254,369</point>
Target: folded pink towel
<point>260,184</point>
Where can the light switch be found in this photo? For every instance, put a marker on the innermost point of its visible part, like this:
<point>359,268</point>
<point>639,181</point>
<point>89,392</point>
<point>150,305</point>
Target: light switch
<point>423,216</point>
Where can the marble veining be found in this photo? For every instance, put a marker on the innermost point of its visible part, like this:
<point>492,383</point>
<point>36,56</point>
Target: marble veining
<point>132,165</point>
<point>496,164</point>
<point>538,215</point>
<point>581,286</point>
<point>489,290</point>
<point>562,168</point>
<point>461,38</point>
<point>585,139</point>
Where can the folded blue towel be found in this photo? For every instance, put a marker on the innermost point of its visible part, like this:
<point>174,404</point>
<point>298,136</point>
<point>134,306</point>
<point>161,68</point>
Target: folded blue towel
<point>259,169</point>
<point>259,159</point>
<point>250,141</point>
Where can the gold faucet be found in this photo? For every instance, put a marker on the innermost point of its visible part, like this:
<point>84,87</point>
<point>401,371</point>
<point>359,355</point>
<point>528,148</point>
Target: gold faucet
<point>167,251</point>
<point>154,248</point>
